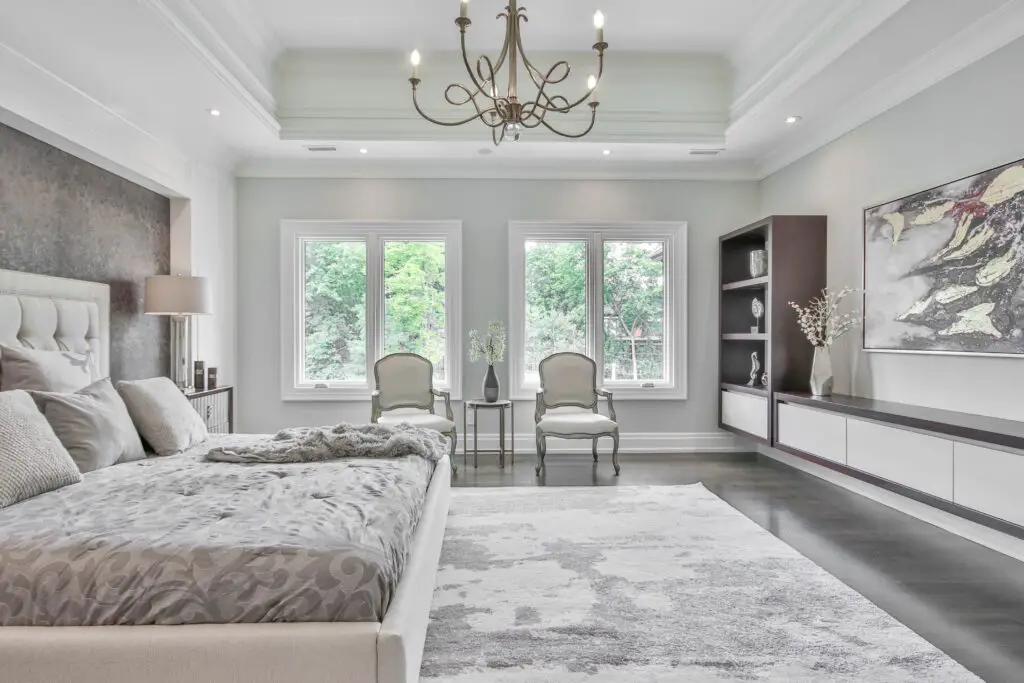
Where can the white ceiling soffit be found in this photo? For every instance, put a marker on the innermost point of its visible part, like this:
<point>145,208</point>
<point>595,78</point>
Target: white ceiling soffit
<point>653,98</point>
<point>154,68</point>
<point>922,44</point>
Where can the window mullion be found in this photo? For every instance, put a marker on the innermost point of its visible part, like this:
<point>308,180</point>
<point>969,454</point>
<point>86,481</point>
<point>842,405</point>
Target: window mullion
<point>374,301</point>
<point>595,301</point>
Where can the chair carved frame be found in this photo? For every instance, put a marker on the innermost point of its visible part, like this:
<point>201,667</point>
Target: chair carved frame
<point>542,407</point>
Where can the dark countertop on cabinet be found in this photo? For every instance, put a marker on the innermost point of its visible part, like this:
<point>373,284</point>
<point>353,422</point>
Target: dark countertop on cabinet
<point>991,430</point>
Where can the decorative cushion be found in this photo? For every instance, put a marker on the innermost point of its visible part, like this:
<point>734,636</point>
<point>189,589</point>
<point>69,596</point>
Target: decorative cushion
<point>162,414</point>
<point>32,459</point>
<point>93,424</point>
<point>575,423</point>
<point>417,418</point>
<point>60,371</point>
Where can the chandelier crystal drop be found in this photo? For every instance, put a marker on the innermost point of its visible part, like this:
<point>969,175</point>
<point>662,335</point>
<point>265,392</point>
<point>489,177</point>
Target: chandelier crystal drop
<point>506,114</point>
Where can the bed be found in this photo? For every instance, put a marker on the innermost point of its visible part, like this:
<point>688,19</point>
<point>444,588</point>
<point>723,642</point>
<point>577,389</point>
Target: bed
<point>292,644</point>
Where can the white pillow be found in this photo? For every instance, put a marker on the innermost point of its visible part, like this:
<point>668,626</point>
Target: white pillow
<point>162,414</point>
<point>93,424</point>
<point>64,372</point>
<point>32,459</point>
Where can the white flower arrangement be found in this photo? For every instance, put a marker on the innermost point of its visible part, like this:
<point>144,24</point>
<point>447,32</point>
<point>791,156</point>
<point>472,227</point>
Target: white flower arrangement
<point>821,322</point>
<point>490,347</point>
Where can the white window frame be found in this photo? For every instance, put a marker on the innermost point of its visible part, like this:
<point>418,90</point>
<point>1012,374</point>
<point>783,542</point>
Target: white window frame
<point>673,234</point>
<point>294,233</point>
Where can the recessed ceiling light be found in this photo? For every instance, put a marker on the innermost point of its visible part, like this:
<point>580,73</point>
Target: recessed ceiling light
<point>363,151</point>
<point>214,112</point>
<point>607,152</point>
<point>793,119</point>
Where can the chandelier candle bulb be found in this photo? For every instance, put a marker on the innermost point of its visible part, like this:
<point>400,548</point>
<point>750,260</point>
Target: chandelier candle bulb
<point>599,25</point>
<point>414,59</point>
<point>592,86</point>
<point>464,9</point>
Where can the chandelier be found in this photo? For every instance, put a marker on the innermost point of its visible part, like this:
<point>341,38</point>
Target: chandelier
<point>504,113</point>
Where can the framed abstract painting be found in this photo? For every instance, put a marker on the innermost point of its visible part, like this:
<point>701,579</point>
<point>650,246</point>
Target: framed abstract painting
<point>944,268</point>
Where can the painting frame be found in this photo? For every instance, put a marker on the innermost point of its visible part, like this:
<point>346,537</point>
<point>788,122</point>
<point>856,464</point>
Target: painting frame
<point>864,272</point>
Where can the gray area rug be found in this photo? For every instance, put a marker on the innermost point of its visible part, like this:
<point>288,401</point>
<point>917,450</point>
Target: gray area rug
<point>648,584</point>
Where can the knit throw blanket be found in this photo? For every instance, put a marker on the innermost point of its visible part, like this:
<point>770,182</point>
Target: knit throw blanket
<point>317,444</point>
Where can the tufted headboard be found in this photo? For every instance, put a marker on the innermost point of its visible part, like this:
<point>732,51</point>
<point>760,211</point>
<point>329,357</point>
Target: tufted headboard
<point>53,313</point>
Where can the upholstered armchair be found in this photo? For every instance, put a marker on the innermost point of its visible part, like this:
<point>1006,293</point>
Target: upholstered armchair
<point>568,387</point>
<point>405,393</point>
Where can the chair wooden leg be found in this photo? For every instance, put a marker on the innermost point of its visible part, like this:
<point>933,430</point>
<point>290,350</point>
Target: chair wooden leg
<point>455,440</point>
<point>615,451</point>
<point>593,448</point>
<point>541,451</point>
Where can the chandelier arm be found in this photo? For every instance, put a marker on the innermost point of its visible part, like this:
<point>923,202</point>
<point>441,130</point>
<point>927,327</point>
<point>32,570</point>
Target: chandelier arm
<point>419,110</point>
<point>593,120</point>
<point>463,23</point>
<point>600,73</point>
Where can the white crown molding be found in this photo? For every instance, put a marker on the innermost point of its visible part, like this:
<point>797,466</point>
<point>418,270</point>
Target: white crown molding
<point>704,170</point>
<point>256,31</point>
<point>311,123</point>
<point>243,83</point>
<point>45,106</point>
<point>645,443</point>
<point>846,24</point>
<point>972,43</point>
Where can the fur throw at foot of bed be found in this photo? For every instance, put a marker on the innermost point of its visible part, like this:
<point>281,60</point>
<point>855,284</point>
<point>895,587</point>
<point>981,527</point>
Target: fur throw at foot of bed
<point>316,444</point>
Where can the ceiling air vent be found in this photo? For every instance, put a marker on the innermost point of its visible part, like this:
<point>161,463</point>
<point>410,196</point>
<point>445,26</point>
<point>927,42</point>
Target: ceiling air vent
<point>706,152</point>
<point>321,148</point>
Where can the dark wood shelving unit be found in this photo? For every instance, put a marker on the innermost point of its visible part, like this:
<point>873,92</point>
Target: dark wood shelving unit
<point>744,336</point>
<point>752,283</point>
<point>796,247</point>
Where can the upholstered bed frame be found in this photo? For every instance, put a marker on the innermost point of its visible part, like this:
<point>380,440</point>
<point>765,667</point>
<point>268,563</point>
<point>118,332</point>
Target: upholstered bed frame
<point>54,313</point>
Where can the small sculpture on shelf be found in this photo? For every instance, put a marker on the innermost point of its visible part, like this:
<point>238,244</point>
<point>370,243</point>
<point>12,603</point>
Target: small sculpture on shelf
<point>764,380</point>
<point>757,308</point>
<point>755,369</point>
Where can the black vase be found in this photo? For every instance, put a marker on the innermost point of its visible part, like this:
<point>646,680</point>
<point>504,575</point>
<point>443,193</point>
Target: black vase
<point>490,385</point>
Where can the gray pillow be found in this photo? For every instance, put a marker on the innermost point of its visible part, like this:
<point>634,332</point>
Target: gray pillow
<point>32,459</point>
<point>162,414</point>
<point>33,370</point>
<point>93,424</point>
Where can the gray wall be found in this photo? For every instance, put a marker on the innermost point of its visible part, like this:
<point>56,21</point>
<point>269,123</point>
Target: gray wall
<point>968,123</point>
<point>485,207</point>
<point>62,216</point>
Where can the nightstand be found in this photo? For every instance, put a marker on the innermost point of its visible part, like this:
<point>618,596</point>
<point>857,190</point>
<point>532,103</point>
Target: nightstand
<point>216,407</point>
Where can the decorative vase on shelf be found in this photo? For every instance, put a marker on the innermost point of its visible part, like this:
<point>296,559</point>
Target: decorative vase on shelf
<point>758,263</point>
<point>491,385</point>
<point>821,371</point>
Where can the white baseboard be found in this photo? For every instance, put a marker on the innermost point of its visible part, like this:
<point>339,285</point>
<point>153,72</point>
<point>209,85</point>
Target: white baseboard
<point>983,535</point>
<point>636,442</point>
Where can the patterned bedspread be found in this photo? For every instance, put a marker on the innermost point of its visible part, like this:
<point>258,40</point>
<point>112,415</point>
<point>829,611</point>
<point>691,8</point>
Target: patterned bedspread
<point>181,541</point>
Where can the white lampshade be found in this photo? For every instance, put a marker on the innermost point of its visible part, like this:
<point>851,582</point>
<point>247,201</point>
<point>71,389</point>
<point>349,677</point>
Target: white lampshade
<point>178,295</point>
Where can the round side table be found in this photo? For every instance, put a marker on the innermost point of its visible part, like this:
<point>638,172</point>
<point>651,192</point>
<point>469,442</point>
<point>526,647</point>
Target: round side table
<point>501,406</point>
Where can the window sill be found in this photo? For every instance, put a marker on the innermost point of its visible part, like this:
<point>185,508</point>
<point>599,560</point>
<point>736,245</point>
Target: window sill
<point>338,396</point>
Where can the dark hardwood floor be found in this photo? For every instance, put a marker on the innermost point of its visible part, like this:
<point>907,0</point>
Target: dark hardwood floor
<point>964,598</point>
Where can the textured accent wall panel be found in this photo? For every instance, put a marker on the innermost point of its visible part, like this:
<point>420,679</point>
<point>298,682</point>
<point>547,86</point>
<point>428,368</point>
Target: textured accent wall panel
<point>63,216</point>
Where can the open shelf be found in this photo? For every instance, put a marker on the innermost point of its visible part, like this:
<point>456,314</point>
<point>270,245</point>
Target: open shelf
<point>744,389</point>
<point>753,283</point>
<point>744,336</point>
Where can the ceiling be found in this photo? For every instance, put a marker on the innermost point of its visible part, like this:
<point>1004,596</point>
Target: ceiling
<point>682,76</point>
<point>688,25</point>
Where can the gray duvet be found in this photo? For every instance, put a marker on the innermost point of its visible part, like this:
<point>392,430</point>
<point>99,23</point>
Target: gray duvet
<point>181,541</point>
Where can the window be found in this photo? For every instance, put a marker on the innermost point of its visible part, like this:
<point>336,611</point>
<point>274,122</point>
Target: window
<point>352,292</point>
<point>613,292</point>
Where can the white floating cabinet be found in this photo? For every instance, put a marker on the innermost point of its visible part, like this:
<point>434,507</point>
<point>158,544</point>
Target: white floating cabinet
<point>989,481</point>
<point>746,412</point>
<point>813,431</point>
<point>918,461</point>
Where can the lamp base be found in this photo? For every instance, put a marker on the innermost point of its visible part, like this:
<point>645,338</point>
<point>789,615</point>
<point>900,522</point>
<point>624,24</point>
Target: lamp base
<point>181,351</point>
